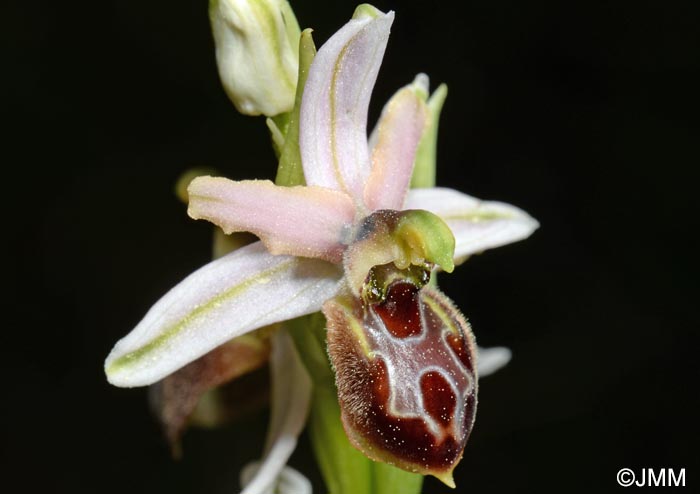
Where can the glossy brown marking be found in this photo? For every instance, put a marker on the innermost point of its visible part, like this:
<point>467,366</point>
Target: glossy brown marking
<point>399,311</point>
<point>439,398</point>
<point>459,346</point>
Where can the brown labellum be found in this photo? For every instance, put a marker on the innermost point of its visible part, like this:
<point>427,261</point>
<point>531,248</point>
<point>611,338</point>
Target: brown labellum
<point>406,374</point>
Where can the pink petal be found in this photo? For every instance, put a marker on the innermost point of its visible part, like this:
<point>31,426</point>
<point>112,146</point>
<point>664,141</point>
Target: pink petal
<point>477,225</point>
<point>398,133</point>
<point>231,296</point>
<point>333,122</point>
<point>300,221</point>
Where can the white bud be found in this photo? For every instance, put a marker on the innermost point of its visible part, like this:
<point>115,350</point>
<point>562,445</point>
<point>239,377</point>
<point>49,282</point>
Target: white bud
<point>257,53</point>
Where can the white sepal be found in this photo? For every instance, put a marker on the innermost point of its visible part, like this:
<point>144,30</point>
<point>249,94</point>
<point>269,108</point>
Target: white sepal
<point>477,225</point>
<point>228,297</point>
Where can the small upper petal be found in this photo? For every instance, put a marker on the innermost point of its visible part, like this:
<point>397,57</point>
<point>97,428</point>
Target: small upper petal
<point>396,139</point>
<point>477,225</point>
<point>333,122</point>
<point>300,221</point>
<point>237,293</point>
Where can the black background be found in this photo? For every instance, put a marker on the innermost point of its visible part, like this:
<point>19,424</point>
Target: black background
<point>580,112</point>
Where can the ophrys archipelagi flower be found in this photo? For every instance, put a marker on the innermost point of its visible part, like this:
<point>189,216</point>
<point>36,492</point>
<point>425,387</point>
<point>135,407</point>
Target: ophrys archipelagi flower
<point>355,242</point>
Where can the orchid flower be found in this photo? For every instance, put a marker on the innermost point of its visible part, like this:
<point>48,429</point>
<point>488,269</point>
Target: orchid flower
<point>356,243</point>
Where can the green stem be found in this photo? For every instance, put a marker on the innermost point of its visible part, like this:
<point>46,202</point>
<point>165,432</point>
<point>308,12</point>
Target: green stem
<point>391,480</point>
<point>290,170</point>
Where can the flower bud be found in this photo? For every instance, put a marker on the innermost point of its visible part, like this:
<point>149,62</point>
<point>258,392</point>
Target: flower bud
<point>257,53</point>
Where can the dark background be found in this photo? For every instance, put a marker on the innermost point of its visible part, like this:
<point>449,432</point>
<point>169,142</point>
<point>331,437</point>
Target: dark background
<point>582,113</point>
